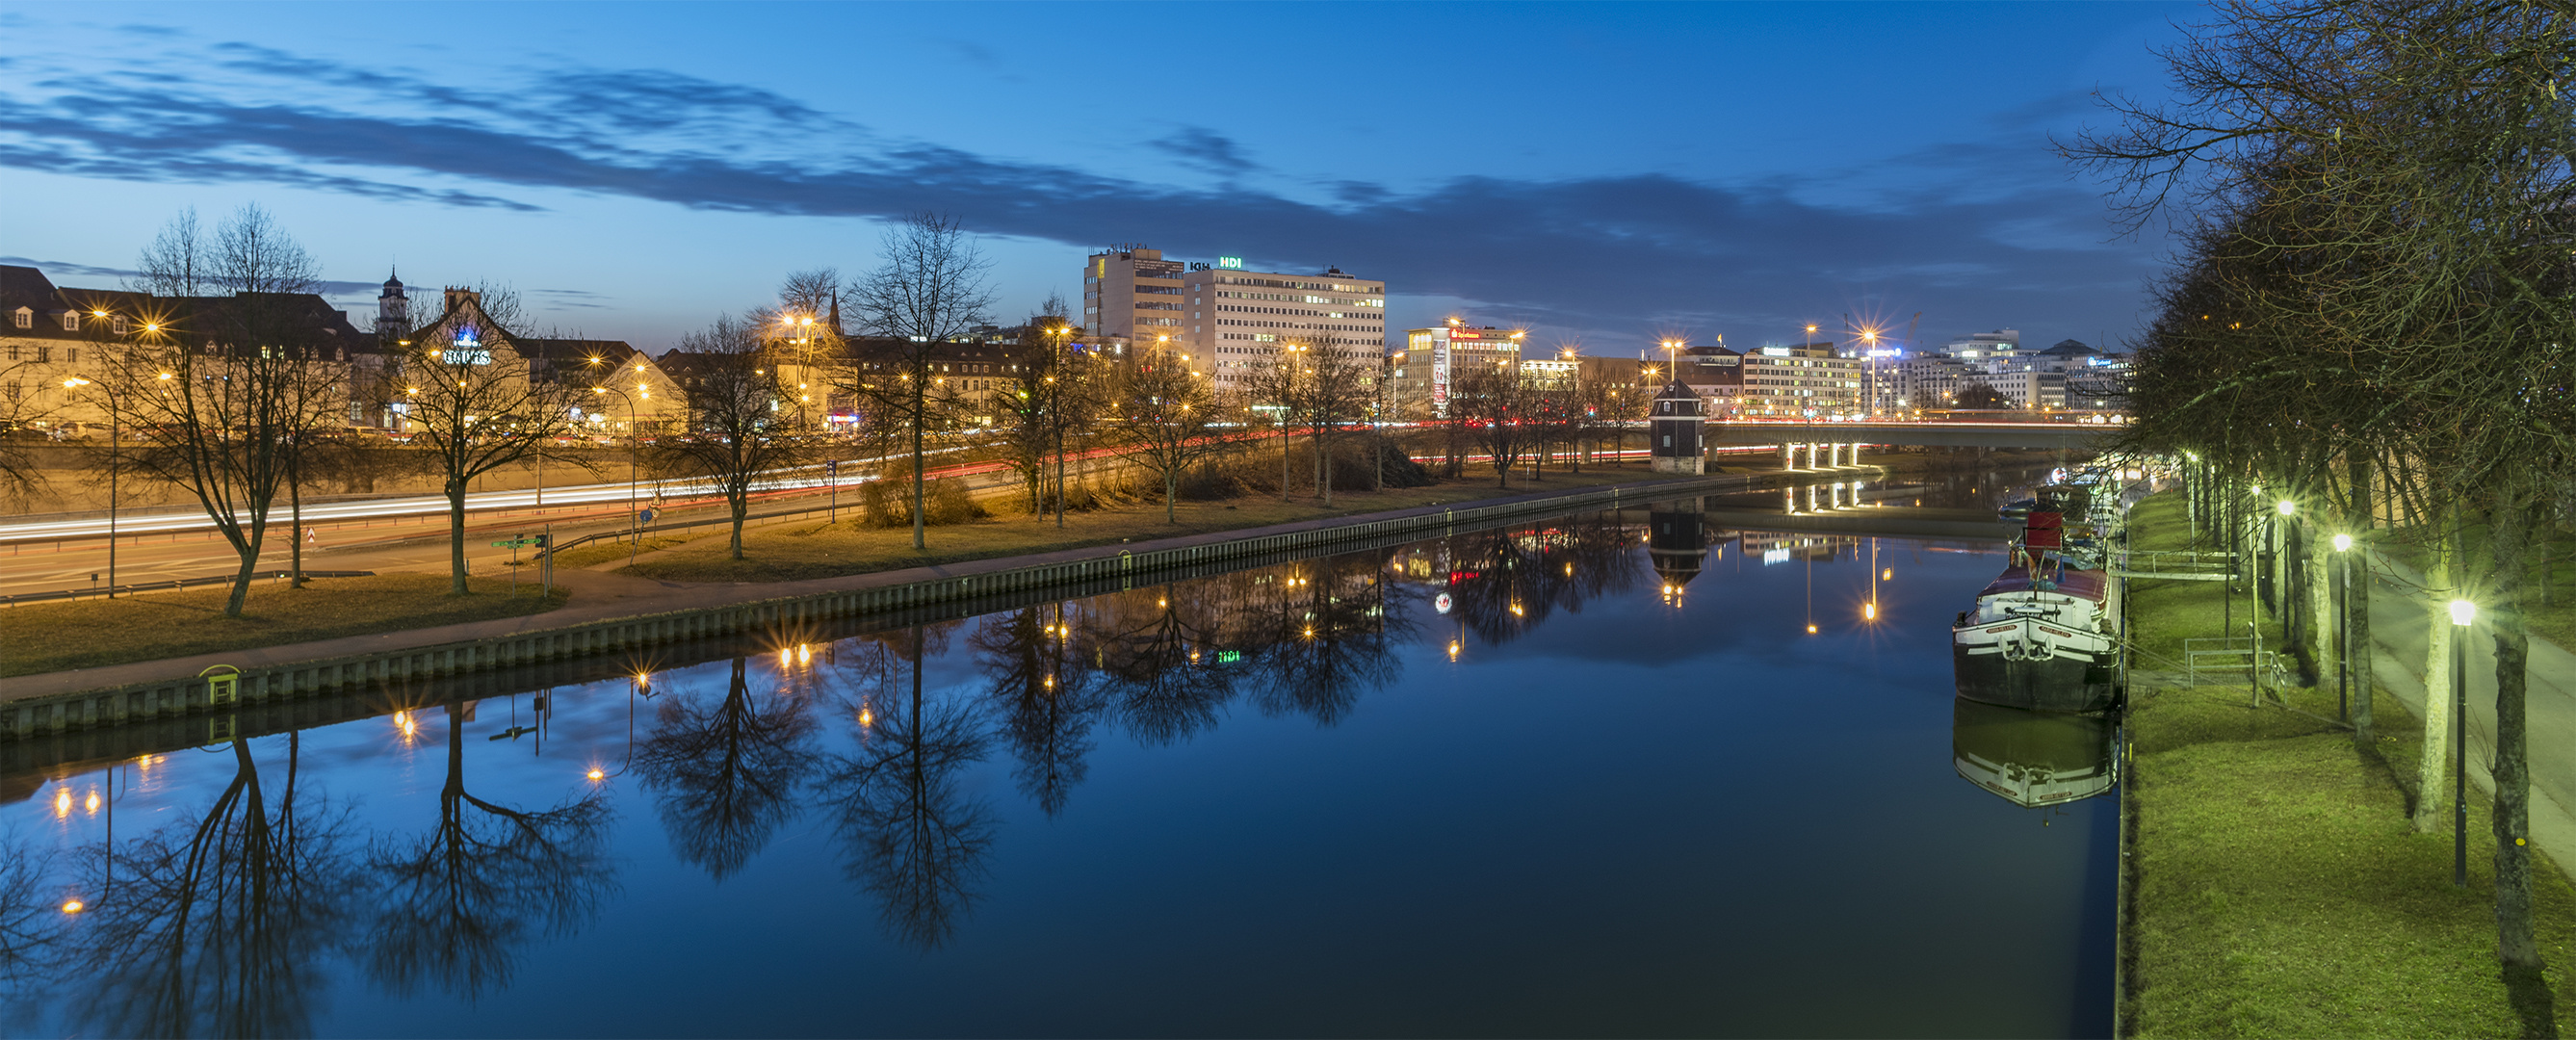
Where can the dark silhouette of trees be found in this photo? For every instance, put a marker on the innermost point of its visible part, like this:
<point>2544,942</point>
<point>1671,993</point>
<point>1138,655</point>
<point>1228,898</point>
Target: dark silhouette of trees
<point>221,925</point>
<point>459,900</point>
<point>728,774</point>
<point>1047,699</point>
<point>910,836</point>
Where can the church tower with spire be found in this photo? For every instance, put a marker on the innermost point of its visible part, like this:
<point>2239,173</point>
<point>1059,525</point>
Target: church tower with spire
<point>393,311</point>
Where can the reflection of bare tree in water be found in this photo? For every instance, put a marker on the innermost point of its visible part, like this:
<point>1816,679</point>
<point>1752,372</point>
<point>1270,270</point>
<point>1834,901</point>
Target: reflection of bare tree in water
<point>1329,639</point>
<point>1153,659</point>
<point>727,773</point>
<point>217,926</point>
<point>1048,704</point>
<point>913,839</point>
<point>484,880</point>
<point>1518,577</point>
<point>29,921</point>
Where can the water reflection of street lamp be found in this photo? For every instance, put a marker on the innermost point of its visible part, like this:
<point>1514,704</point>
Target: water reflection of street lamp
<point>2463,613</point>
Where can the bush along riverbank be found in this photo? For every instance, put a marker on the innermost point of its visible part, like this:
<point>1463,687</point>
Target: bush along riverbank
<point>2275,886</point>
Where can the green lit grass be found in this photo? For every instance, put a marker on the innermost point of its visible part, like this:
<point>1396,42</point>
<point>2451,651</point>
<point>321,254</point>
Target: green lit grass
<point>52,637</point>
<point>2279,888</point>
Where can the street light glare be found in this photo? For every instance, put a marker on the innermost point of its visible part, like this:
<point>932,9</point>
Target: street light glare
<point>2463,612</point>
<point>2342,542</point>
<point>2288,507</point>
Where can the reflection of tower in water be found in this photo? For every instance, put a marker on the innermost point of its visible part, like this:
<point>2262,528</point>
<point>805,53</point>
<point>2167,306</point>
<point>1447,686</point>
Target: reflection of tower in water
<point>1676,543</point>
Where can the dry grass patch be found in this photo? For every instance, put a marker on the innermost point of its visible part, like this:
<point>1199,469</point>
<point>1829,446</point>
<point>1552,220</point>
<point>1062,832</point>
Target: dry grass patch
<point>51,637</point>
<point>795,552</point>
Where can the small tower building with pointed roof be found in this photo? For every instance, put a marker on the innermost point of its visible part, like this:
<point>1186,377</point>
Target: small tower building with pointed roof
<point>1674,428</point>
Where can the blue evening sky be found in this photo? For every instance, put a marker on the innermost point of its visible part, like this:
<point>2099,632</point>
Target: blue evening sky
<point>1604,173</point>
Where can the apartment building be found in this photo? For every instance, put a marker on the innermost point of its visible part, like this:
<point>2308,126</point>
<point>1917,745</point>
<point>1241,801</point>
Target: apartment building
<point>1238,318</point>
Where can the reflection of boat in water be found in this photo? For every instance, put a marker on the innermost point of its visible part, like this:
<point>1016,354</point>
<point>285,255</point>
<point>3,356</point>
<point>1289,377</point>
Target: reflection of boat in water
<point>2033,758</point>
<point>2038,636</point>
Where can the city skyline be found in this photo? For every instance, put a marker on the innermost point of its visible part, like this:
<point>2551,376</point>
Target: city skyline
<point>1586,189</point>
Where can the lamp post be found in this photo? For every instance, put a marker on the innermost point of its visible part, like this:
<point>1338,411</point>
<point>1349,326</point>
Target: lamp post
<point>631,466</point>
<point>2343,623</point>
<point>75,383</point>
<point>2463,613</point>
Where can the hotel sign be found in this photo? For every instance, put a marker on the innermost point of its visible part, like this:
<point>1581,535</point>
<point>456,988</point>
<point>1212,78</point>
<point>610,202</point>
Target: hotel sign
<point>1231,263</point>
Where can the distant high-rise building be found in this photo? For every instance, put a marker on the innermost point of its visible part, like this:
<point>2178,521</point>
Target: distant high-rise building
<point>1131,291</point>
<point>1238,318</point>
<point>1434,359</point>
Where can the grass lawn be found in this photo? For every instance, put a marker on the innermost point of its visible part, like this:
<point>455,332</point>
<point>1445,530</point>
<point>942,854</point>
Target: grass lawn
<point>51,637</point>
<point>791,552</point>
<point>2279,888</point>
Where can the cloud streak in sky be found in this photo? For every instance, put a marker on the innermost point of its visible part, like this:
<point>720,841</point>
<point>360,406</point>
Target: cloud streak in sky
<point>1595,253</point>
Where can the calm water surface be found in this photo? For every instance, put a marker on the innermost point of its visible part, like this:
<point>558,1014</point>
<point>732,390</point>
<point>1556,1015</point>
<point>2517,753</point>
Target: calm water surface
<point>1495,784</point>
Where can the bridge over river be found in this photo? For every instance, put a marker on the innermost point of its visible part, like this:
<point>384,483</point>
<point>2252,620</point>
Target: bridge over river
<point>1835,438</point>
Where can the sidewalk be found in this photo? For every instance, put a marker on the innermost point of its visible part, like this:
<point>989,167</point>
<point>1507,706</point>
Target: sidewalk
<point>2398,628</point>
<point>610,595</point>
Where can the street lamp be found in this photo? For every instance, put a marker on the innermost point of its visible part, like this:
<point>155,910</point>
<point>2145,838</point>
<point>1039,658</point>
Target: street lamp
<point>2343,624</point>
<point>75,383</point>
<point>631,467</point>
<point>2463,613</point>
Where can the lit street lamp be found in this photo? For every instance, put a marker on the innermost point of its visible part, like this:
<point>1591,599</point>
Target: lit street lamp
<point>2463,613</point>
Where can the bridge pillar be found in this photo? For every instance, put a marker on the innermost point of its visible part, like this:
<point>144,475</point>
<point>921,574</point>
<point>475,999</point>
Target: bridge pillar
<point>1789,457</point>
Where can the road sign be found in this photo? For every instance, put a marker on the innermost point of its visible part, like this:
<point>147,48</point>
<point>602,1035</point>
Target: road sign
<point>516,543</point>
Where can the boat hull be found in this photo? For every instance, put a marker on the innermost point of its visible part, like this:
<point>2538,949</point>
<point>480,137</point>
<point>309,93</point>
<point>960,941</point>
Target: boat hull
<point>2033,665</point>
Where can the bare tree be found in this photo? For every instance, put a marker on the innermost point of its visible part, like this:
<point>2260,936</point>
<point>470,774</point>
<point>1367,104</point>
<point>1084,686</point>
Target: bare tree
<point>1173,421</point>
<point>1496,410</point>
<point>929,288</point>
<point>736,430</point>
<point>477,405</point>
<point>223,383</point>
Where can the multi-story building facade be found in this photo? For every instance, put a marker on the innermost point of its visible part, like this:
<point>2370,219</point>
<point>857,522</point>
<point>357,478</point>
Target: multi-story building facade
<point>1432,360</point>
<point>51,337</point>
<point>1239,318</point>
<point>1802,381</point>
<point>626,391</point>
<point>1131,291</point>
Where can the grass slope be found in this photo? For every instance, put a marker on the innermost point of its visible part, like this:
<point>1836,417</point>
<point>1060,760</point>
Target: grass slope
<point>813,550</point>
<point>2279,890</point>
<point>52,637</point>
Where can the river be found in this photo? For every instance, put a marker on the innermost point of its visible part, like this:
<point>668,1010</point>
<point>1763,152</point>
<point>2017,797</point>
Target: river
<point>1614,773</point>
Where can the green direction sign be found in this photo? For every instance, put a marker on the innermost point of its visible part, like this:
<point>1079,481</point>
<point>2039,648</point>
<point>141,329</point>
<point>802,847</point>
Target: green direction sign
<point>521,542</point>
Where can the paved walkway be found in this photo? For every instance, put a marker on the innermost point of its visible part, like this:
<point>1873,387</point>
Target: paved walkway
<point>607,595</point>
<point>2399,628</point>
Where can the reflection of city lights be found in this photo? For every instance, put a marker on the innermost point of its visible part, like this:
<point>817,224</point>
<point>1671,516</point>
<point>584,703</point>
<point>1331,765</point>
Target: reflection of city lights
<point>1516,610</point>
<point>1887,575</point>
<point>1869,611</point>
<point>1310,633</point>
<point>1811,628</point>
<point>62,804</point>
<point>867,718</point>
<point>1162,603</point>
<point>91,803</point>
<point>404,722</point>
<point>1453,650</point>
<point>804,654</point>
<point>1050,682</point>
<point>73,906</point>
<point>596,774</point>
